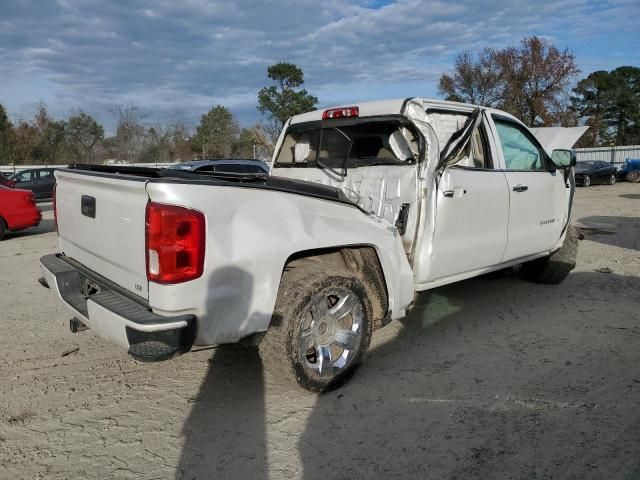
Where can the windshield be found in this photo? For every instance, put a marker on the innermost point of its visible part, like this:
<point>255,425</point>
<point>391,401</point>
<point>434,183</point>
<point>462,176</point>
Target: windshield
<point>350,144</point>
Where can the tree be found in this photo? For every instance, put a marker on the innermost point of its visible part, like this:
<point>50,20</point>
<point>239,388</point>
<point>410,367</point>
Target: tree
<point>474,80</point>
<point>83,132</point>
<point>130,133</point>
<point>283,101</point>
<point>609,102</point>
<point>245,146</point>
<point>217,133</point>
<point>6,137</point>
<point>534,75</point>
<point>25,139</point>
<point>51,141</point>
<point>531,81</point>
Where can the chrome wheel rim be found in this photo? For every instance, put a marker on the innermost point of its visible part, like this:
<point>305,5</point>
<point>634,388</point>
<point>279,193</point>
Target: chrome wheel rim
<point>331,331</point>
<point>587,181</point>
<point>612,180</point>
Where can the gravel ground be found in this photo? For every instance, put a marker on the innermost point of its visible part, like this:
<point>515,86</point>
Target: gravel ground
<point>488,378</point>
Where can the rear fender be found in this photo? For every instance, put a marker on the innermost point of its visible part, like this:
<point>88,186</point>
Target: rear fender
<point>251,234</point>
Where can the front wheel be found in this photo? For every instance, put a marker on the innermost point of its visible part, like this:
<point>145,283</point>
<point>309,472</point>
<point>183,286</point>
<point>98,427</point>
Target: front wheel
<point>321,327</point>
<point>586,181</point>
<point>3,229</point>
<point>553,269</point>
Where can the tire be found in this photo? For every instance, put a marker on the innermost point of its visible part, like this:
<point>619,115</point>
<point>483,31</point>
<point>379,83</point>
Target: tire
<point>612,179</point>
<point>552,270</point>
<point>3,228</point>
<point>633,177</point>
<point>586,181</point>
<point>320,310</point>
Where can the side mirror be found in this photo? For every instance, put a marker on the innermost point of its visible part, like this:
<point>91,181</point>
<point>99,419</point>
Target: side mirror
<point>563,158</point>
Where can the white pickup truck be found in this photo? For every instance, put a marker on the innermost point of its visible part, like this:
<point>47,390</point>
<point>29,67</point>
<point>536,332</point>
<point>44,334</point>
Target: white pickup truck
<point>365,206</point>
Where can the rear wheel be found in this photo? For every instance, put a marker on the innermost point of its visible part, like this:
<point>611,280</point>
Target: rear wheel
<point>321,327</point>
<point>553,269</point>
<point>633,177</point>
<point>612,179</point>
<point>586,181</point>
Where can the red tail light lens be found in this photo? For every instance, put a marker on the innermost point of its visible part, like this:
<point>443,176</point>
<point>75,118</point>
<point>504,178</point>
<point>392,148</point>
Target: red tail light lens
<point>346,112</point>
<point>175,243</point>
<point>30,199</point>
<point>55,207</point>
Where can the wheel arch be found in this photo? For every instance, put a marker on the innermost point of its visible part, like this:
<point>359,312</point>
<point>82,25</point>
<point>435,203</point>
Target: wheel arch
<point>361,260</point>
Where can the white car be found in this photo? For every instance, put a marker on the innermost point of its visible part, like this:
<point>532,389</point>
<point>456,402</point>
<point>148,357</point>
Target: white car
<point>365,206</point>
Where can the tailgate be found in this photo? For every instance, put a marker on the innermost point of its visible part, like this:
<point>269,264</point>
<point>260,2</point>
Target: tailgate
<point>101,223</point>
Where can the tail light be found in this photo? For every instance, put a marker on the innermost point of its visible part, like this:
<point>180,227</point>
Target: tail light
<point>30,199</point>
<point>55,207</point>
<point>175,239</point>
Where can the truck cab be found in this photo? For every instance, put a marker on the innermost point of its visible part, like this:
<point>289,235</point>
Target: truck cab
<point>469,189</point>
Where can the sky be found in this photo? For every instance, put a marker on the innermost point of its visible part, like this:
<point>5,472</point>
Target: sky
<point>175,60</point>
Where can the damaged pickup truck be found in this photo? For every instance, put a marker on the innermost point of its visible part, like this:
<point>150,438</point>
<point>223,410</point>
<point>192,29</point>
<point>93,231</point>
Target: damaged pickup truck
<point>365,206</point>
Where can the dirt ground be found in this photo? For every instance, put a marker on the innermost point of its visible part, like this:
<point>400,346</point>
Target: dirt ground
<point>490,378</point>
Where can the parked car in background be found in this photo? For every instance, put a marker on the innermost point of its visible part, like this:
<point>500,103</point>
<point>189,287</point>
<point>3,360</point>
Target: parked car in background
<point>223,166</point>
<point>17,210</point>
<point>592,173</point>
<point>39,180</point>
<point>630,171</point>
<point>5,182</point>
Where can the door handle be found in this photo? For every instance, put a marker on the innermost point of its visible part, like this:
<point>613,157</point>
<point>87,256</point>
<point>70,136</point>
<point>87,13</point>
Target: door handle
<point>520,188</point>
<point>456,192</point>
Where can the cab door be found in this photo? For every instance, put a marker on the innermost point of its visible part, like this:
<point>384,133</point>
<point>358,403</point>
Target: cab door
<point>471,213</point>
<point>536,191</point>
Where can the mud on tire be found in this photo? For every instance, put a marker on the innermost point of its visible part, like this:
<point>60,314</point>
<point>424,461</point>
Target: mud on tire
<point>552,270</point>
<point>308,344</point>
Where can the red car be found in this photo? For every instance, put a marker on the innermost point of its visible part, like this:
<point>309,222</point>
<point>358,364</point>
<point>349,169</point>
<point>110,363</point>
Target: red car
<point>17,210</point>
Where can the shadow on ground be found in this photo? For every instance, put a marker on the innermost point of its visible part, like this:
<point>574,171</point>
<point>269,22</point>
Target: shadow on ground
<point>610,230</point>
<point>492,377</point>
<point>45,226</point>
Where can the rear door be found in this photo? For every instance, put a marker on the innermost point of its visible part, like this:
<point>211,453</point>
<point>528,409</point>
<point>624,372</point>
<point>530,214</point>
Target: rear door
<point>46,181</point>
<point>101,223</point>
<point>536,191</point>
<point>472,205</point>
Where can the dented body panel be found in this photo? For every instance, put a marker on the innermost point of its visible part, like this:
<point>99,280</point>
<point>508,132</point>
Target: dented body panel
<point>436,205</point>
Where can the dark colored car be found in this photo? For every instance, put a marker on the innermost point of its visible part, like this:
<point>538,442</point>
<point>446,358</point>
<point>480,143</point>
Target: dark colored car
<point>39,180</point>
<point>631,171</point>
<point>591,173</point>
<point>17,210</point>
<point>223,166</point>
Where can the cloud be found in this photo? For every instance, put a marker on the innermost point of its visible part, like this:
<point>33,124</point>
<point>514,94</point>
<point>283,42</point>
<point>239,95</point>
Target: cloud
<point>166,55</point>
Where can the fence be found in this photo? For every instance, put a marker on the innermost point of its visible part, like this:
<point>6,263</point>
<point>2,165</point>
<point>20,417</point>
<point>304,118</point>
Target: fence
<point>613,155</point>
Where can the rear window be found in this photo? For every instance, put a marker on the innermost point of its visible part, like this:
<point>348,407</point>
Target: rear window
<point>354,143</point>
